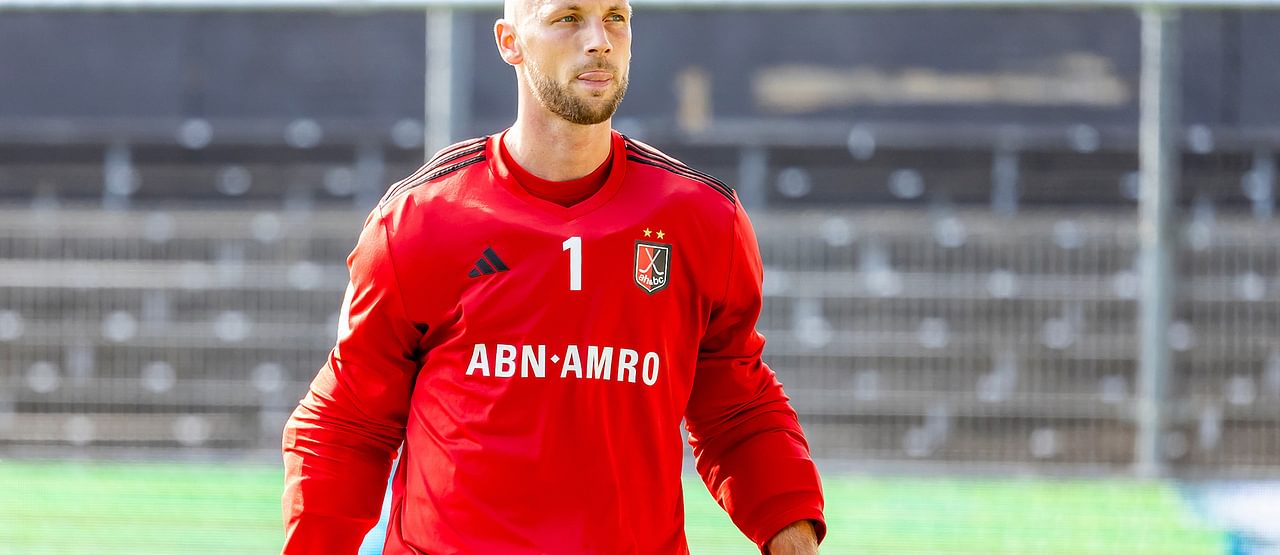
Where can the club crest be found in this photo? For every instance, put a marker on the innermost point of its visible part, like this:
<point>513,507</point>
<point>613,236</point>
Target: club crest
<point>653,266</point>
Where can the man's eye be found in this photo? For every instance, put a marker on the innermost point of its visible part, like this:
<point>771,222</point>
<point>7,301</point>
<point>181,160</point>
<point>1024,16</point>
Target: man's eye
<point>567,19</point>
<point>617,18</point>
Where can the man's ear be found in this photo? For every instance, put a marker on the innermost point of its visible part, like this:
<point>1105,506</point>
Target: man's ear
<point>504,34</point>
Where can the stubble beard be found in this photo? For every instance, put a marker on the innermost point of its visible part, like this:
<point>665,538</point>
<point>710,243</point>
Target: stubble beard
<point>559,100</point>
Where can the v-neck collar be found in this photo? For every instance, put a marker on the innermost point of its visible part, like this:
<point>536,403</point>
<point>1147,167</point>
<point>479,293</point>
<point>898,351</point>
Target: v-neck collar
<point>617,174</point>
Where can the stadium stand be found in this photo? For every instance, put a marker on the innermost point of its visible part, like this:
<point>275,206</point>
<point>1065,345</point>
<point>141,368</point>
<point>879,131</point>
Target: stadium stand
<point>946,289</point>
<point>201,329</point>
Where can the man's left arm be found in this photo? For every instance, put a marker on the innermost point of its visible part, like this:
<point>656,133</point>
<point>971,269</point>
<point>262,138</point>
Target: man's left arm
<point>746,438</point>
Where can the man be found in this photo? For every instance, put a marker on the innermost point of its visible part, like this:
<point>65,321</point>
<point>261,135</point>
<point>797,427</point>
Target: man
<point>531,315</point>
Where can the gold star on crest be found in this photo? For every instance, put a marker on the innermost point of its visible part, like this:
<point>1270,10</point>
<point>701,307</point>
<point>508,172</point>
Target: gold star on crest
<point>649,233</point>
<point>660,233</point>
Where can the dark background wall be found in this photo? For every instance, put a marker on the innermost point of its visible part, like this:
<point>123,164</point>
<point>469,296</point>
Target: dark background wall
<point>369,67</point>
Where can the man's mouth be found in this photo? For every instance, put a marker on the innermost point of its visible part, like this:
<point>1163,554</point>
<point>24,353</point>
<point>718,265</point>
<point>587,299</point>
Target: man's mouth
<point>596,77</point>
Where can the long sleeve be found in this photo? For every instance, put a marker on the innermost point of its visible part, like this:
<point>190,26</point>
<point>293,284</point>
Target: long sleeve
<point>340,442</point>
<point>746,437</point>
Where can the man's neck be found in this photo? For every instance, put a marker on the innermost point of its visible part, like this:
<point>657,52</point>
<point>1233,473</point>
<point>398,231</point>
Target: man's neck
<point>557,150</point>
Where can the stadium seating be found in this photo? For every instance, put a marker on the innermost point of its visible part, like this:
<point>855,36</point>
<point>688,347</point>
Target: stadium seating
<point>903,335</point>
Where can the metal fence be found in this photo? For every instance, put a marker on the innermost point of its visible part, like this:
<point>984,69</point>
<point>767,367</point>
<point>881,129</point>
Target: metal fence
<point>971,339</point>
<point>944,338</point>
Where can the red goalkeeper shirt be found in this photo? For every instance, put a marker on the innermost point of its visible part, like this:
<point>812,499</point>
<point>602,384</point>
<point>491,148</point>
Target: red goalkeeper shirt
<point>536,361</point>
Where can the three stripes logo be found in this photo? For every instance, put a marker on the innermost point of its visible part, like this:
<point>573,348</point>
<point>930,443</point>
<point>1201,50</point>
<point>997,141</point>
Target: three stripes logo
<point>488,264</point>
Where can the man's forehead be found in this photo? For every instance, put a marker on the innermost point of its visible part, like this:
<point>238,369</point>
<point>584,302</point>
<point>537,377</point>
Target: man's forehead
<point>531,7</point>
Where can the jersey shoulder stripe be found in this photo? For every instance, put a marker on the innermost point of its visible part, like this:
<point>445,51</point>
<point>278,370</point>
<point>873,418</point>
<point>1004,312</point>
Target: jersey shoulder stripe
<point>446,154</point>
<point>644,154</point>
<point>455,147</point>
<point>447,161</point>
<point>642,147</point>
<point>675,170</point>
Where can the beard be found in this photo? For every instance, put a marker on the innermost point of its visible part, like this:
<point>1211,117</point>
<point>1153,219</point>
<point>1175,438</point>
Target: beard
<point>557,98</point>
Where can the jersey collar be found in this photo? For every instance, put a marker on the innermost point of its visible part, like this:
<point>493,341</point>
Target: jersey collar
<point>617,174</point>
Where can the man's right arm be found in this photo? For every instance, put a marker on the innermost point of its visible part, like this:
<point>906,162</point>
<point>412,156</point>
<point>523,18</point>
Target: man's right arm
<point>340,442</point>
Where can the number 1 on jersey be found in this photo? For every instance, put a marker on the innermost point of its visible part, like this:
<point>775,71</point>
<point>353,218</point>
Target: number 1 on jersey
<point>574,246</point>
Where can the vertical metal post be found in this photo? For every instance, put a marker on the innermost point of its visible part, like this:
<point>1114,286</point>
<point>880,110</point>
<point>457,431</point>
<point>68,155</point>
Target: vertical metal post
<point>119,178</point>
<point>753,171</point>
<point>1160,161</point>
<point>1004,181</point>
<point>370,175</point>
<point>1261,188</point>
<point>448,86</point>
<point>440,77</point>
<point>463,73</point>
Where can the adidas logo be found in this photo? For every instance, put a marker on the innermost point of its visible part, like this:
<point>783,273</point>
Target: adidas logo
<point>488,264</point>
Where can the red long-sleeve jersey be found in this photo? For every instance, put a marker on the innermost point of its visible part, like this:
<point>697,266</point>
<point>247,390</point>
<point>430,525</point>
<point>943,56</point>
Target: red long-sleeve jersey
<point>536,361</point>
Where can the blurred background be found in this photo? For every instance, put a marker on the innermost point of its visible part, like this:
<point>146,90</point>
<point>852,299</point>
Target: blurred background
<point>1002,336</point>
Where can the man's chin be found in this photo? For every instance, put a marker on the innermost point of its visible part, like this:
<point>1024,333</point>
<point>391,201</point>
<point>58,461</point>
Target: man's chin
<point>597,101</point>
<point>591,91</point>
<point>593,118</point>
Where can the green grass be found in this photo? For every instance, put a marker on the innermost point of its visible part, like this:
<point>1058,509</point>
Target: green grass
<point>894,515</point>
<point>138,508</point>
<point>149,508</point>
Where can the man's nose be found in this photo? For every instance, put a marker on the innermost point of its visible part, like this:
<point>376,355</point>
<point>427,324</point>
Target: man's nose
<point>597,40</point>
